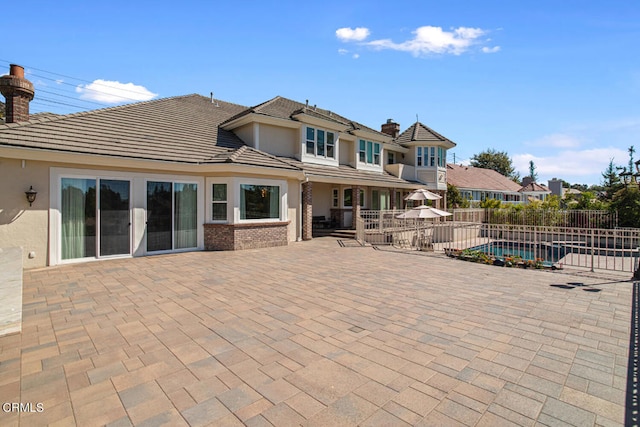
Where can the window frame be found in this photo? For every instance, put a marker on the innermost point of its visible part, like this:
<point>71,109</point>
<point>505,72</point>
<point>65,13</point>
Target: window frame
<point>344,198</point>
<point>283,197</point>
<point>214,202</point>
<point>319,139</point>
<point>369,152</point>
<point>430,157</point>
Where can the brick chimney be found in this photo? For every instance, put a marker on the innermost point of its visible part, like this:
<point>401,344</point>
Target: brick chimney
<point>391,128</point>
<point>18,92</point>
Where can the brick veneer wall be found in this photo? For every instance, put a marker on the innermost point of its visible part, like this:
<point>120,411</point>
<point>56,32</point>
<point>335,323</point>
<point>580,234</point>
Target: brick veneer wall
<point>233,237</point>
<point>355,197</point>
<point>307,211</point>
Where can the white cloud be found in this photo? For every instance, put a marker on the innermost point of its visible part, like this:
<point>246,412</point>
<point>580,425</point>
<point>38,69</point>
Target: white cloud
<point>113,92</point>
<point>430,40</point>
<point>491,49</point>
<point>356,56</point>
<point>558,140</point>
<point>571,165</point>
<point>343,51</point>
<point>352,34</point>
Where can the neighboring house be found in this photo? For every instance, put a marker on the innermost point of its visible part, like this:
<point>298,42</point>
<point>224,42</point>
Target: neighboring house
<point>531,190</point>
<point>195,173</point>
<point>478,184</point>
<point>556,188</point>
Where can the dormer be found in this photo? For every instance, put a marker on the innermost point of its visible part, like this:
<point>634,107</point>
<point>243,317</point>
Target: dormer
<point>320,134</point>
<point>369,149</point>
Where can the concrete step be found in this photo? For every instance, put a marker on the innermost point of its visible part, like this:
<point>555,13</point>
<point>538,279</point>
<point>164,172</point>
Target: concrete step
<point>338,233</point>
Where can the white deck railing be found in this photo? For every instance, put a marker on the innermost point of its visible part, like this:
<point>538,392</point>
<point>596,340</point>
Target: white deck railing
<point>593,248</point>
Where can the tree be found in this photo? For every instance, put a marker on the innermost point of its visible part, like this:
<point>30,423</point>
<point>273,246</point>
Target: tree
<point>455,199</point>
<point>499,161</point>
<point>627,203</point>
<point>532,171</point>
<point>611,181</point>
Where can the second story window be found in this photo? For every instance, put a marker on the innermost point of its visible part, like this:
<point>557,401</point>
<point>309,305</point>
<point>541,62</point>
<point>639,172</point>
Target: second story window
<point>369,152</point>
<point>320,143</point>
<point>429,156</point>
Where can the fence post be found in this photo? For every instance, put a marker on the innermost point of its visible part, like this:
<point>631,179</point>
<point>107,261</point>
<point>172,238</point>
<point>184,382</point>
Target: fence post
<point>592,251</point>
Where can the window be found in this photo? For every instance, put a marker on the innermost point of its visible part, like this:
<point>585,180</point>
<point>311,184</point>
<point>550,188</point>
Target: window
<point>259,201</point>
<point>348,198</point>
<point>320,143</point>
<point>95,217</point>
<point>429,156</point>
<point>391,157</point>
<point>442,157</point>
<point>331,144</point>
<point>171,216</point>
<point>335,198</point>
<point>219,202</point>
<point>369,152</point>
<point>311,141</point>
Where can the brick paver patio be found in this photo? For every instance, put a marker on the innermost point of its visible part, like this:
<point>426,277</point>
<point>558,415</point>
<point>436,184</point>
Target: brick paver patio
<point>316,334</point>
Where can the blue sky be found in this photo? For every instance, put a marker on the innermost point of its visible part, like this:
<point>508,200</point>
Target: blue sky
<point>556,82</point>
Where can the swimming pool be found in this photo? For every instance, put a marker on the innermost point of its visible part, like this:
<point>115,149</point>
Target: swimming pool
<point>550,252</point>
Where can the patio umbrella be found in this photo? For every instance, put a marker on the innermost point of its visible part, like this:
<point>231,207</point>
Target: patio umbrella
<point>423,211</point>
<point>422,194</point>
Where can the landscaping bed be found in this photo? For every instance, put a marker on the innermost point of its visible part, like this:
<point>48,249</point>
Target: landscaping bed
<point>513,261</point>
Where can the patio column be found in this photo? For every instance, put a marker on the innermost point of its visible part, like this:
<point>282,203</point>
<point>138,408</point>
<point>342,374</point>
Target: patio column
<point>307,211</point>
<point>392,199</point>
<point>355,197</point>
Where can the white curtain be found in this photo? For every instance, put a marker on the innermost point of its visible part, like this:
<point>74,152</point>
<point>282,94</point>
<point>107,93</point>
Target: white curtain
<point>74,238</point>
<point>186,215</point>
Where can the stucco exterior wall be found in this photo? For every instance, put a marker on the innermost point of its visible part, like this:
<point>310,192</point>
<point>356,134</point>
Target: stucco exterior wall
<point>21,225</point>
<point>322,197</point>
<point>280,141</point>
<point>347,154</point>
<point>245,133</point>
<point>294,199</point>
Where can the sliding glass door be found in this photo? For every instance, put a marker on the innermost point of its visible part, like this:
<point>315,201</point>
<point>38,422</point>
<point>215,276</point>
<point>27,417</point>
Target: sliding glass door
<point>171,216</point>
<point>96,218</point>
<point>159,216</point>
<point>78,211</point>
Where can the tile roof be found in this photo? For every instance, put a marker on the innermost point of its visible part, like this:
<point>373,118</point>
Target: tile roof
<point>179,129</point>
<point>284,108</point>
<point>249,156</point>
<point>479,178</point>
<point>534,187</point>
<point>346,172</point>
<point>418,132</point>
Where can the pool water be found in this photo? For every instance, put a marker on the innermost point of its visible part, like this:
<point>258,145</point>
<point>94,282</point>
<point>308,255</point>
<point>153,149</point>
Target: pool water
<point>527,251</point>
